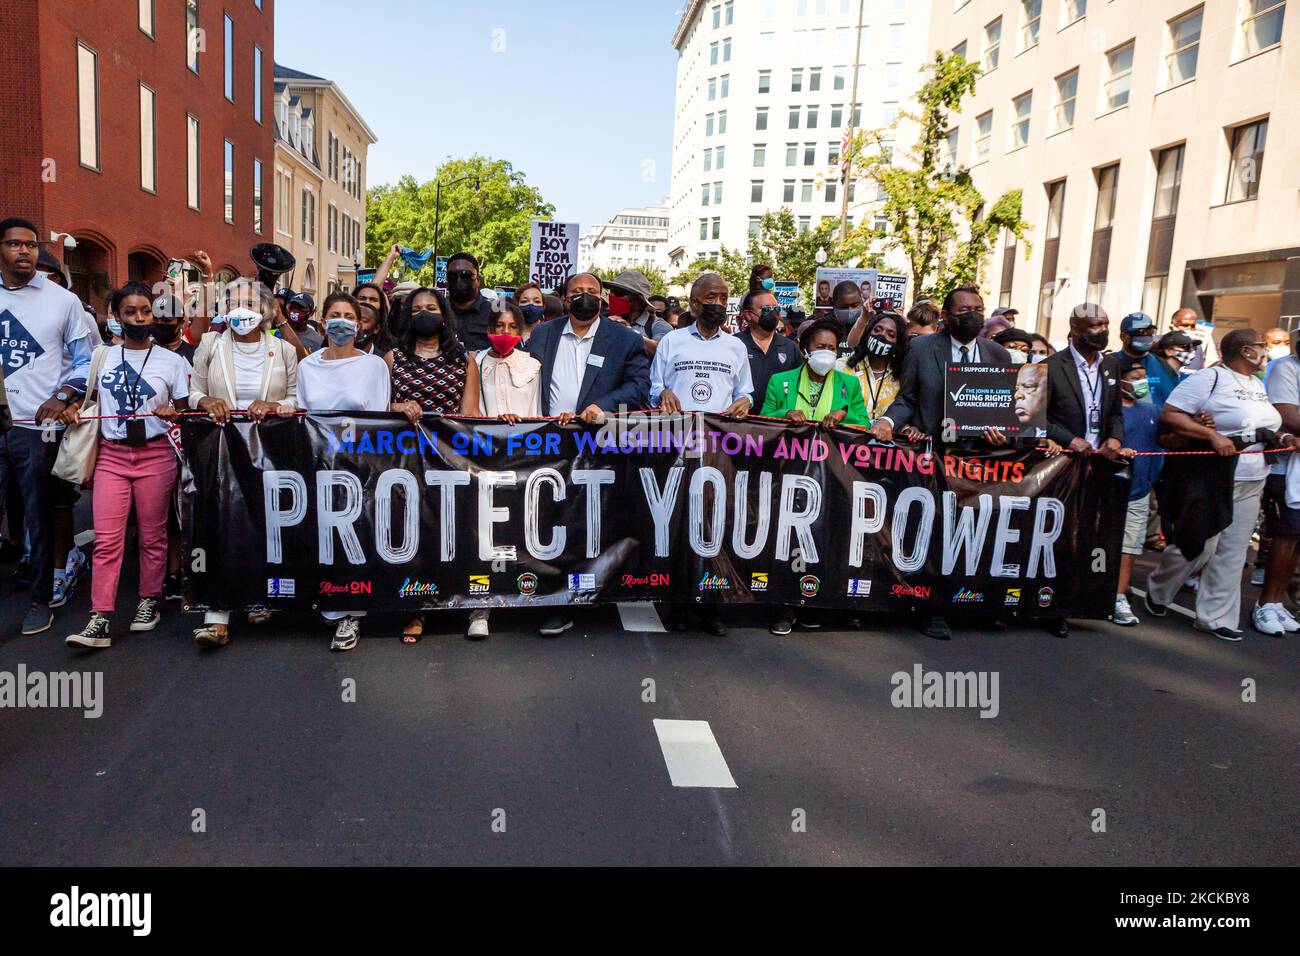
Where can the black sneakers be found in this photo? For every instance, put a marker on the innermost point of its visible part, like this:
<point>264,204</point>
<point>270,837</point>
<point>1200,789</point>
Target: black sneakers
<point>94,635</point>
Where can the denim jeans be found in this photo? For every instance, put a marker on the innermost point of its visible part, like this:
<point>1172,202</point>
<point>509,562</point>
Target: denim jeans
<point>27,459</point>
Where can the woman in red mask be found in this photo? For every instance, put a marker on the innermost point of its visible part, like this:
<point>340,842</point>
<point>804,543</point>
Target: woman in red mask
<point>510,380</point>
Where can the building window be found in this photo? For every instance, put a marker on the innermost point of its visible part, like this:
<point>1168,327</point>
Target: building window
<point>726,50</point>
<point>708,159</point>
<point>193,38</point>
<point>1169,181</point>
<point>704,228</point>
<point>230,181</point>
<point>1021,108</point>
<point>837,115</point>
<point>717,194</point>
<point>805,190</point>
<point>192,161</point>
<point>764,81</point>
<point>1184,46</point>
<point>814,79</point>
<point>888,113</point>
<point>1119,78</point>
<point>1261,25</point>
<point>760,118</point>
<point>257,196</point>
<point>1247,162</point>
<point>830,190</point>
<point>146,17</point>
<point>1107,191</point>
<point>720,157</point>
<point>230,58</point>
<point>760,155</point>
<point>1073,10</point>
<point>756,190</point>
<point>810,120</point>
<point>148,140</point>
<point>704,194</point>
<point>810,154</point>
<point>950,145</point>
<point>717,16</point>
<point>257,83</point>
<point>992,45</point>
<point>960,50</point>
<point>308,216</point>
<point>1055,209</point>
<point>839,78</point>
<point>983,136</point>
<point>708,124</point>
<point>896,36</point>
<point>1031,17</point>
<point>805,223</point>
<point>787,190</point>
<point>796,81</point>
<point>88,105</point>
<point>725,86</point>
<point>722,122</point>
<point>713,53</point>
<point>794,118</point>
<point>1067,85</point>
<point>755,225</point>
<point>716,225</point>
<point>713,88</point>
<point>791,154</point>
<point>893,71</point>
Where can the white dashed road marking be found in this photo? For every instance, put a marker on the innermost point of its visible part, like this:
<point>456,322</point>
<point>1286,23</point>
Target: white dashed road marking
<point>640,616</point>
<point>692,754</point>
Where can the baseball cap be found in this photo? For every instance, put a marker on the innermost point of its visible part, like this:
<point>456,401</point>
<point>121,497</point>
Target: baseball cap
<point>1136,321</point>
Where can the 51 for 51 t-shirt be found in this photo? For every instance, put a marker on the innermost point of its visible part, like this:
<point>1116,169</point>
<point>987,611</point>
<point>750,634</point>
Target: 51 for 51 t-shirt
<point>138,381</point>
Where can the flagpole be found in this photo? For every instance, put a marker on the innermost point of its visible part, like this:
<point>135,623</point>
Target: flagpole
<point>846,160</point>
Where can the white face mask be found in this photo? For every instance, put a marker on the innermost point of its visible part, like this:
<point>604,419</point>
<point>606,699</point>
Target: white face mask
<point>1278,351</point>
<point>1017,357</point>
<point>242,321</point>
<point>821,361</point>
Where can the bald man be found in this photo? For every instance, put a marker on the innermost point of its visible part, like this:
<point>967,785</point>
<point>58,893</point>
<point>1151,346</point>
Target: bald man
<point>1184,320</point>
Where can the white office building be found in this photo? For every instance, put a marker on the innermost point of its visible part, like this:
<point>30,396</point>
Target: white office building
<point>1158,146</point>
<point>763,97</point>
<point>634,239</point>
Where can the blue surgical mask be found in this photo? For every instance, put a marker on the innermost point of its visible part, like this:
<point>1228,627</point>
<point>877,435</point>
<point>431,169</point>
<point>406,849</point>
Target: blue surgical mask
<point>769,284</point>
<point>340,331</point>
<point>114,326</point>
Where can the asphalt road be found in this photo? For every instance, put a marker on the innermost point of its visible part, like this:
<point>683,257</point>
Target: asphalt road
<point>1144,723</point>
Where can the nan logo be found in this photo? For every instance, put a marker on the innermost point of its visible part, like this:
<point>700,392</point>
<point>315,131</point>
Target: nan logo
<point>527,584</point>
<point>280,587</point>
<point>809,585</point>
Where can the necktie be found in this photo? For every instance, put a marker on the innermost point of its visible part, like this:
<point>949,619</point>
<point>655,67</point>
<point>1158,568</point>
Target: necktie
<point>965,355</point>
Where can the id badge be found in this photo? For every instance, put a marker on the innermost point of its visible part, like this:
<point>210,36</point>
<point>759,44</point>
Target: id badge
<point>135,433</point>
<point>1094,419</point>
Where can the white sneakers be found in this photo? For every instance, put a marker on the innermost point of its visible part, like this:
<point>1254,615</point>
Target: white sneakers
<point>1123,614</point>
<point>1274,620</point>
<point>478,624</point>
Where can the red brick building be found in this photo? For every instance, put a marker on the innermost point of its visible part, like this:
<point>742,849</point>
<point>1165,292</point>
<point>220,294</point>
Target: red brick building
<point>140,128</point>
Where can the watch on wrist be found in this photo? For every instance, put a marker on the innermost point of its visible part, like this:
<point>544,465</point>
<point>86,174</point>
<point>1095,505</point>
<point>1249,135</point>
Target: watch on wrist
<point>65,395</point>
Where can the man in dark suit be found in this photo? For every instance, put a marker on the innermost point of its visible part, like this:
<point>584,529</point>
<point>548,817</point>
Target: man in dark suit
<point>918,409</point>
<point>1085,412</point>
<point>917,412</point>
<point>590,367</point>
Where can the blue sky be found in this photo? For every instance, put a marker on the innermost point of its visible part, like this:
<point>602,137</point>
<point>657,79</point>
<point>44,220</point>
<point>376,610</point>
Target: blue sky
<point>580,99</point>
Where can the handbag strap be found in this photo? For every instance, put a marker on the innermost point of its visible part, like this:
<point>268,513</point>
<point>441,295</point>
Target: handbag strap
<point>96,366</point>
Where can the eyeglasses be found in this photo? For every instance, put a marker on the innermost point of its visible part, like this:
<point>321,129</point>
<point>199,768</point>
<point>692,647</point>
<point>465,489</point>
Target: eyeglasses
<point>26,245</point>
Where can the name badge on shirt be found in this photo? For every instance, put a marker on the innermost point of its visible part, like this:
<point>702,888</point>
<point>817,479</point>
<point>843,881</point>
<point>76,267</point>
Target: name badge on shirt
<point>596,360</point>
<point>1094,419</point>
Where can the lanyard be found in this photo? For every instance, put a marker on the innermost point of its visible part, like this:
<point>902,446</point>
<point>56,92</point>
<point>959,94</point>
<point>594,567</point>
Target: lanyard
<point>1094,390</point>
<point>134,395</point>
<point>880,387</point>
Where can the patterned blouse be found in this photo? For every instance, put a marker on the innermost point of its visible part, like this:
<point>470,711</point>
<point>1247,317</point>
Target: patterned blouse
<point>878,391</point>
<point>436,384</point>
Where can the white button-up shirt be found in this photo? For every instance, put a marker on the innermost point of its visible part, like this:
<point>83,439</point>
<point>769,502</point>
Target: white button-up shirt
<point>570,366</point>
<point>1091,385</point>
<point>972,351</point>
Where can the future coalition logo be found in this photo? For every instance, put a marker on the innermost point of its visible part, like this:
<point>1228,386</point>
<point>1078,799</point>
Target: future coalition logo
<point>712,582</point>
<point>411,588</point>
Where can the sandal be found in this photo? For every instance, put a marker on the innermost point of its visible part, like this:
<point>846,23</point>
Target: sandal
<point>413,636</point>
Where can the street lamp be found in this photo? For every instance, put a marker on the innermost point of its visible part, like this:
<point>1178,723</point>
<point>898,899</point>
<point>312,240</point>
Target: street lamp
<point>437,209</point>
<point>821,256</point>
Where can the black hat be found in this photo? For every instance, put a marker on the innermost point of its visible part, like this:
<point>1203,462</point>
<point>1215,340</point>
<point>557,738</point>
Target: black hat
<point>303,301</point>
<point>45,260</point>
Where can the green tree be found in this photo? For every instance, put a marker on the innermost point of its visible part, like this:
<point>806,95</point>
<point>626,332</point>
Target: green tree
<point>937,218</point>
<point>655,276</point>
<point>492,221</point>
<point>730,264</point>
<point>793,254</point>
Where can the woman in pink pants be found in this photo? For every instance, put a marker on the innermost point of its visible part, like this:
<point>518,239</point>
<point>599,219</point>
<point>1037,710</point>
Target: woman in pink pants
<point>139,385</point>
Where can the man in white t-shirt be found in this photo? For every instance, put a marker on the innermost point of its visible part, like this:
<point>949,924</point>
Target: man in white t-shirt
<point>698,368</point>
<point>41,328</point>
<point>1281,520</point>
<point>701,369</point>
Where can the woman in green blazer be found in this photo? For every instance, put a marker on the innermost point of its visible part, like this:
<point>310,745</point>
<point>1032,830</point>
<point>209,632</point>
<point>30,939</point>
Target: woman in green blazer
<point>816,391</point>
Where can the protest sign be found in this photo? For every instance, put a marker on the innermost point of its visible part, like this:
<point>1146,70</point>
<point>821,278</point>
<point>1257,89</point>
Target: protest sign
<point>1012,398</point>
<point>553,255</point>
<point>828,279</point>
<point>894,288</point>
<point>787,294</point>
<point>370,511</point>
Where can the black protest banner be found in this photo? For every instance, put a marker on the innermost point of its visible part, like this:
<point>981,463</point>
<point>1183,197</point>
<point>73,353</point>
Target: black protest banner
<point>1012,398</point>
<point>368,511</point>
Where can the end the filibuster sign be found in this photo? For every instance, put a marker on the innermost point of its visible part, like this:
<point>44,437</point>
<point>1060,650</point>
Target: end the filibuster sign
<point>1011,398</point>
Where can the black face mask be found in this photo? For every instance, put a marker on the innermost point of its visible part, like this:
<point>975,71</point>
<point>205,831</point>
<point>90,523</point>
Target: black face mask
<point>461,288</point>
<point>878,347</point>
<point>1097,341</point>
<point>712,315</point>
<point>164,333</point>
<point>584,306</point>
<point>364,338</point>
<point>767,320</point>
<point>426,324</point>
<point>966,326</point>
<point>136,333</point>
